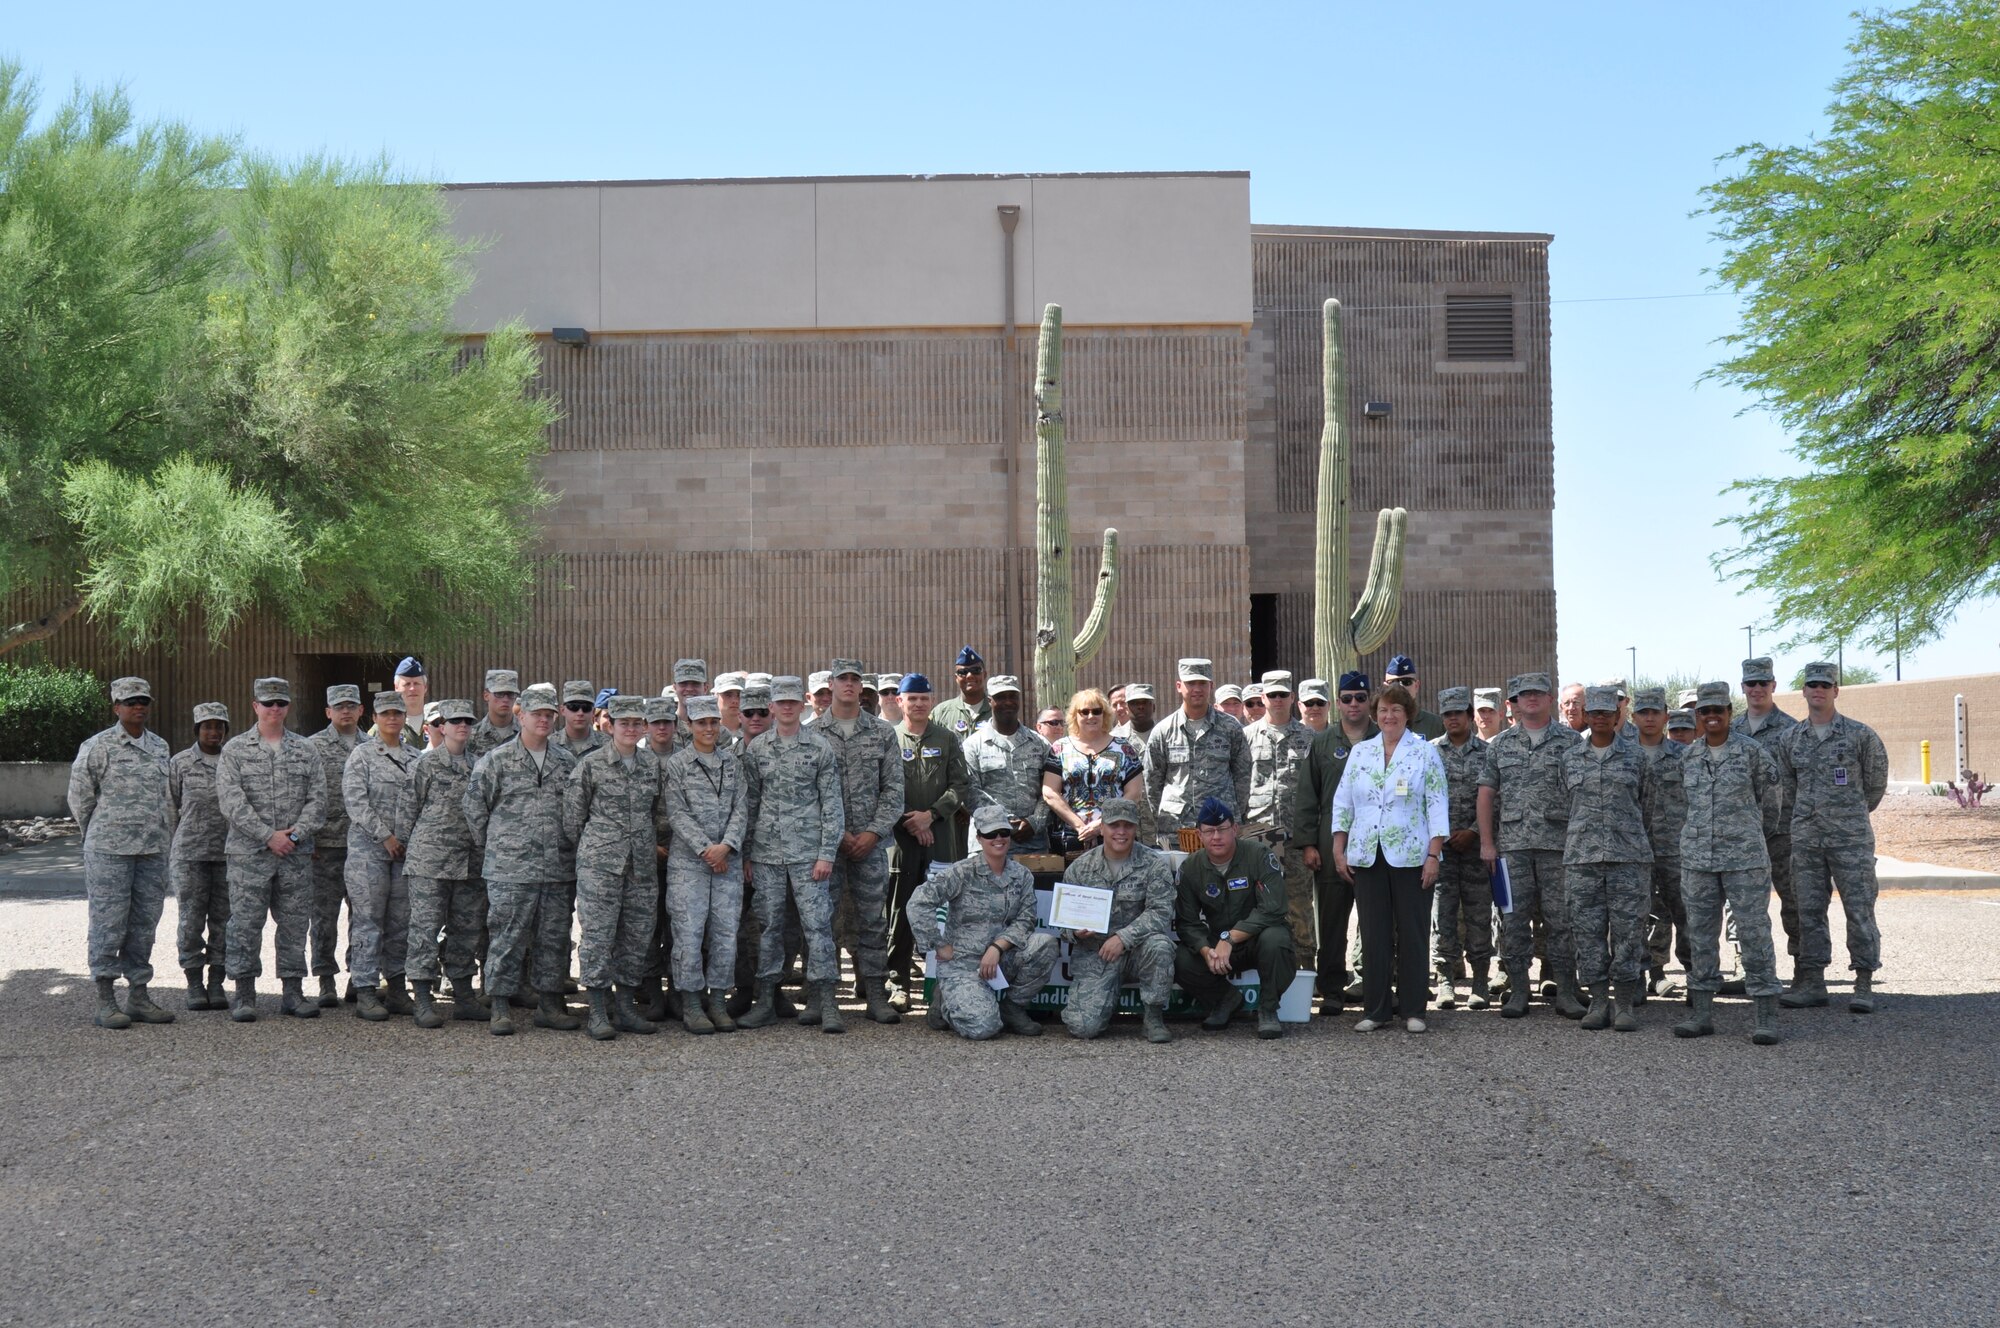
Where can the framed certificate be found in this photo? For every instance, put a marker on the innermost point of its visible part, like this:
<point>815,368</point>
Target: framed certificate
<point>1080,908</point>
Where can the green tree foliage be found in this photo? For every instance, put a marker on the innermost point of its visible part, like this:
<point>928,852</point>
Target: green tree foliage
<point>1870,263</point>
<point>46,712</point>
<point>239,387</point>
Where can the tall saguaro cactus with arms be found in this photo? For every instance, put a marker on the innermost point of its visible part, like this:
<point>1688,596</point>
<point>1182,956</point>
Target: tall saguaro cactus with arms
<point>1341,636</point>
<point>1058,653</point>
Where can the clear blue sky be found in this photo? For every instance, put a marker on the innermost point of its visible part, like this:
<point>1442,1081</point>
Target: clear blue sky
<point>1598,123</point>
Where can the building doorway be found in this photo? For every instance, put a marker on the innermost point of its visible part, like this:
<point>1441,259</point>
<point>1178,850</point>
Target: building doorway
<point>316,673</point>
<point>1263,635</point>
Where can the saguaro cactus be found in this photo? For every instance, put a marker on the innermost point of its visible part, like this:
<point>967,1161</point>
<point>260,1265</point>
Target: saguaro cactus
<point>1341,637</point>
<point>1058,653</point>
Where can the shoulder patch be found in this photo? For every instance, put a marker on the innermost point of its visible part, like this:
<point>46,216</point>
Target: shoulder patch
<point>1213,891</point>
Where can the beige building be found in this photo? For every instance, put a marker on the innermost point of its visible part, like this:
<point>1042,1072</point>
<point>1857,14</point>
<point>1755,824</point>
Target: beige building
<point>798,422</point>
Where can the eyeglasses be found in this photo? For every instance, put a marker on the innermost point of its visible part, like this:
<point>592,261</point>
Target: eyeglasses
<point>968,673</point>
<point>457,719</point>
<point>1090,710</point>
<point>756,714</point>
<point>1812,686</point>
<point>1401,679</point>
<point>1353,698</point>
<point>275,705</point>
<point>997,834</point>
<point>1315,703</point>
<point>1256,704</point>
<point>135,701</point>
<point>578,707</point>
<point>1748,683</point>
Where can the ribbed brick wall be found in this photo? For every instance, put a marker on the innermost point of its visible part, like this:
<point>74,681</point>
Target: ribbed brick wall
<point>1906,713</point>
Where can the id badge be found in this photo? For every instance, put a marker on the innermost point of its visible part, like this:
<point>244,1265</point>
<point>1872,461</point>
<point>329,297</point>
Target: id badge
<point>1840,776</point>
<point>1403,788</point>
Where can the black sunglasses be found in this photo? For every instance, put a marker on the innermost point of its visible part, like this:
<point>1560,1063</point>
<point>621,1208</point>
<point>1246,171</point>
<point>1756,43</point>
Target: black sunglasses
<point>997,834</point>
<point>578,707</point>
<point>758,713</point>
<point>1315,703</point>
<point>968,673</point>
<point>1350,698</point>
<point>276,705</point>
<point>1090,710</point>
<point>1811,685</point>
<point>461,719</point>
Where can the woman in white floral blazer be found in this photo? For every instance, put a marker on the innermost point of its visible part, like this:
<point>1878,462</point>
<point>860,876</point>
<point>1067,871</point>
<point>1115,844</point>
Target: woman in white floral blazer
<point>1391,814</point>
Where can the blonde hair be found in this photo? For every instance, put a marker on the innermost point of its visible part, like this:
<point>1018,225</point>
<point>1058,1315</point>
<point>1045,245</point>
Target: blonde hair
<point>1088,696</point>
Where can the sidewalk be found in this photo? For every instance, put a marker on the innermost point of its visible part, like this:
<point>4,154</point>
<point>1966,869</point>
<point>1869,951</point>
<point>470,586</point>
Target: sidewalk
<point>43,871</point>
<point>1896,874</point>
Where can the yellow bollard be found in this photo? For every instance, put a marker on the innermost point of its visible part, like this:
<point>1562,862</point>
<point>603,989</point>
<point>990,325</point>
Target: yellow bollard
<point>1925,747</point>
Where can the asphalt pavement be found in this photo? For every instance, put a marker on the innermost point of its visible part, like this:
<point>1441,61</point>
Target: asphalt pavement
<point>1488,1172</point>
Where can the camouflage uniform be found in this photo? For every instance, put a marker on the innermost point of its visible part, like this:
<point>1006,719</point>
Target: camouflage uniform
<point>1462,913</point>
<point>199,865</point>
<point>1529,831</point>
<point>792,791</point>
<point>1186,762</point>
<point>1142,918</point>
<point>871,782</point>
<point>118,793</point>
<point>1769,734</point>
<point>706,803</point>
<point>968,908</point>
<point>957,718</point>
<point>1732,796</point>
<point>514,811</point>
<point>485,737</point>
<point>1277,761</point>
<point>329,855</point>
<point>1666,812</point>
<point>1005,771</point>
<point>261,792</point>
<point>377,787</point>
<point>612,812</point>
<point>1607,860</point>
<point>438,868</point>
<point>1831,784</point>
<point>582,747</point>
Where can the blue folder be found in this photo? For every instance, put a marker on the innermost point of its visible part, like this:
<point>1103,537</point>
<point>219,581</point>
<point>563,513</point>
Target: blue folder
<point>1503,889</point>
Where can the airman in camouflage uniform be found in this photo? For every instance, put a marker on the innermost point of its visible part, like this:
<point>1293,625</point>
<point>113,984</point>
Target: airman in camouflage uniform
<point>1732,798</point>
<point>980,906</point>
<point>1833,772</point>
<point>708,808</point>
<point>500,723</point>
<point>198,863</point>
<point>613,811</point>
<point>118,793</point>
<point>333,745</point>
<point>1608,862</point>
<point>1004,769</point>
<point>663,714</point>
<point>1523,813</point>
<point>271,786</point>
<point>377,787</point>
<point>1141,939</point>
<point>1666,812</point>
<point>442,875</point>
<point>1462,910</point>
<point>514,810</point>
<point>871,781</point>
<point>1769,728</point>
<point>1197,752</point>
<point>792,783</point>
<point>1278,750</point>
<point>575,733</point>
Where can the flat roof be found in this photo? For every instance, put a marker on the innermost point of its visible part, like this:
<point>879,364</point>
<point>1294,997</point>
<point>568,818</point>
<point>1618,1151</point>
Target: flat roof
<point>856,179</point>
<point>1396,233</point>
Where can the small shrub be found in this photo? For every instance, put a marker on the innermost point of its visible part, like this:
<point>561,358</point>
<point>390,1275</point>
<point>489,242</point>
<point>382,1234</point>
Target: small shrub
<point>46,711</point>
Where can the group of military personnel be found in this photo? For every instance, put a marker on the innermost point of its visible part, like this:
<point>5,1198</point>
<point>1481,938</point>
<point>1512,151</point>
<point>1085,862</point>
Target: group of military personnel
<point>706,846</point>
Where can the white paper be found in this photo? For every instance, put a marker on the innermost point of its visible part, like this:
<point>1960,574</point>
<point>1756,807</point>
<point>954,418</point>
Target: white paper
<point>998,981</point>
<point>1080,908</point>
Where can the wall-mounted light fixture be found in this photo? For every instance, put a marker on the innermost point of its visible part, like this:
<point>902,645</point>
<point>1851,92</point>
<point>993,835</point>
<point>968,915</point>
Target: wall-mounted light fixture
<point>1376,410</point>
<point>570,336</point>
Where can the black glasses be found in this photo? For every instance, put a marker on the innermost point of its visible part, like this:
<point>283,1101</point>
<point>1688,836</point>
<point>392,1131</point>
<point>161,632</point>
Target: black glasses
<point>756,714</point>
<point>276,705</point>
<point>1090,710</point>
<point>968,673</point>
<point>996,834</point>
<point>1811,685</point>
<point>1401,679</point>
<point>458,719</point>
<point>578,707</point>
<point>1254,703</point>
<point>135,701</point>
<point>1314,703</point>
<point>1351,698</point>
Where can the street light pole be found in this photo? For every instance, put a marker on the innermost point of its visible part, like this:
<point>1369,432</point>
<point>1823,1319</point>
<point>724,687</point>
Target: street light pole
<point>1632,674</point>
<point>1748,648</point>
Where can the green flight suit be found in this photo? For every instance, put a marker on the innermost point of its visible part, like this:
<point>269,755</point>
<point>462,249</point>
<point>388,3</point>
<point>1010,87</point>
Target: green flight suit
<point>1247,895</point>
<point>934,781</point>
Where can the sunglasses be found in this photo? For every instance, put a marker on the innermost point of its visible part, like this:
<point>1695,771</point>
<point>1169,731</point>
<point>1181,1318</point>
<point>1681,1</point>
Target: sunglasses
<point>459,720</point>
<point>1090,710</point>
<point>1401,678</point>
<point>578,707</point>
<point>135,701</point>
<point>968,673</point>
<point>998,834</point>
<point>1817,685</point>
<point>1255,703</point>
<point>1353,698</point>
<point>1315,704</point>
<point>756,714</point>
<point>275,705</point>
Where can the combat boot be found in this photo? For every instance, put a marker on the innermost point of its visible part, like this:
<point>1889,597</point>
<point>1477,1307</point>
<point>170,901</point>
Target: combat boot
<point>879,1008</point>
<point>812,1013</point>
<point>762,1012</point>
<point>599,1023</point>
<point>1862,999</point>
<point>656,999</point>
<point>626,1016</point>
<point>294,1001</point>
<point>1447,989</point>
<point>141,1007</point>
<point>1598,1017</point>
<point>1516,1006</point>
<point>394,998</point>
<point>1568,1001</point>
<point>1808,988</point>
<point>197,993</point>
<point>465,1002</point>
<point>500,1022</point>
<point>693,1018</point>
<point>329,992</point>
<point>830,1020</point>
<point>349,996</point>
<point>1156,1024</point>
<point>934,1012</point>
<point>108,1014</point>
<point>1225,1009</point>
<point>368,1005</point>
<point>425,1006</point>
<point>552,1012</point>
<point>218,995</point>
<point>1481,997</point>
<point>1624,999</point>
<point>1765,1034</point>
<point>781,1003</point>
<point>1701,1022</point>
<point>717,1005</point>
<point>1014,1017</point>
<point>243,1001</point>
<point>1268,1026</point>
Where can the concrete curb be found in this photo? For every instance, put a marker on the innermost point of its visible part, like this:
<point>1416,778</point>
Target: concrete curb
<point>1896,874</point>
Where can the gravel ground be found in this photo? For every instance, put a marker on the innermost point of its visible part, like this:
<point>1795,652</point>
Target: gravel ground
<point>36,830</point>
<point>1921,827</point>
<point>342,1172</point>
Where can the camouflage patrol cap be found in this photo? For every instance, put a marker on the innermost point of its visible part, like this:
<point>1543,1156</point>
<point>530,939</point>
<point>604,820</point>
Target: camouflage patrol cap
<point>580,689</point>
<point>703,707</point>
<point>503,680</point>
<point>1759,670</point>
<point>390,701</point>
<point>819,681</point>
<point>662,709</point>
<point>1003,682</point>
<point>1229,691</point>
<point>730,682</point>
<point>431,711</point>
<point>1195,670</point>
<point>841,666</point>
<point>1649,698</point>
<point>1680,719</point>
<point>130,689</point>
<point>1601,698</point>
<point>757,696</point>
<point>1686,699</point>
<point>1313,689</point>
<point>541,696</point>
<point>1278,681</point>
<point>1528,682</point>
<point>869,686</point>
<point>1454,698</point>
<point>691,670</point>
<point>276,689</point>
<point>626,707</point>
<point>1253,692</point>
<point>1615,684</point>
<point>341,693</point>
<point>760,680</point>
<point>889,682</point>
<point>787,687</point>
<point>1486,698</point>
<point>208,710</point>
<point>1112,810</point>
<point>990,820</point>
<point>454,708</point>
<point>1822,671</point>
<point>1138,691</point>
<point>1711,694</point>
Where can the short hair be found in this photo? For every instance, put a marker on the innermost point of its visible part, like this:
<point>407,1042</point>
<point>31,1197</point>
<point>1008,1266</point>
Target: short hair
<point>1088,696</point>
<point>1394,694</point>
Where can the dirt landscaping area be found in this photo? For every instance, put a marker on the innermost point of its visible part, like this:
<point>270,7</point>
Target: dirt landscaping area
<point>1920,827</point>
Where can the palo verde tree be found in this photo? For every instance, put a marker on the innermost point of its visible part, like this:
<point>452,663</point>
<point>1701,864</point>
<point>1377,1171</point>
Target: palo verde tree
<point>1869,260</point>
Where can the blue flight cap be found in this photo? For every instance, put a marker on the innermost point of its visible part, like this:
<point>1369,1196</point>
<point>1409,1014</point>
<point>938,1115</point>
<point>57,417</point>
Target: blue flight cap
<point>917,682</point>
<point>1214,811</point>
<point>411,667</point>
<point>1353,680</point>
<point>604,696</point>
<point>1399,666</point>
<point>969,658</point>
